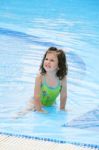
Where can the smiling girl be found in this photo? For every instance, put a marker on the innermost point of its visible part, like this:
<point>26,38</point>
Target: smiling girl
<point>51,80</point>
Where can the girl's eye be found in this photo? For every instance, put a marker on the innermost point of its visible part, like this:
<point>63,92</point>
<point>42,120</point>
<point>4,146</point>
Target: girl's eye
<point>52,60</point>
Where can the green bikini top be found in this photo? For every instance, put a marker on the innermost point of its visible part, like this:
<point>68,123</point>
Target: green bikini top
<point>49,94</point>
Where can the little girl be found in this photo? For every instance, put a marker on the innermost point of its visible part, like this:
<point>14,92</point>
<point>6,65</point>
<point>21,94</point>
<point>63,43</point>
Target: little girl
<point>50,81</point>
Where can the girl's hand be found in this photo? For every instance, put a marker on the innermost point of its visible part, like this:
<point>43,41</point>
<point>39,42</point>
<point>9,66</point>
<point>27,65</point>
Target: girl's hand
<point>42,111</point>
<point>63,109</point>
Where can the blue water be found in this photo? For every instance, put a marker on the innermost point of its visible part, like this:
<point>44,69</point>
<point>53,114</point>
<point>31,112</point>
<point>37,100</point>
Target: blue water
<point>27,29</point>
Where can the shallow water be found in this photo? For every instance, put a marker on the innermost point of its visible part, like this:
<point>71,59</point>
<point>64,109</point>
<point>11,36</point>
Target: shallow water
<point>26,31</point>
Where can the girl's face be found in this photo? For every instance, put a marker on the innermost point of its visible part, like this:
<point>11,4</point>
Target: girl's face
<point>51,62</point>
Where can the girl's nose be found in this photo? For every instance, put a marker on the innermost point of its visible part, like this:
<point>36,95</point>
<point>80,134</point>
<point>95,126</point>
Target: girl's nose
<point>48,61</point>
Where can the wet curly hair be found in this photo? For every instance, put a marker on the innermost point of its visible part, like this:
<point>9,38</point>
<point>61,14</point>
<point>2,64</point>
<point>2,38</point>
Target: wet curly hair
<point>62,63</point>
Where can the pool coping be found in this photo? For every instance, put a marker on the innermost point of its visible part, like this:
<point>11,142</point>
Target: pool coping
<point>84,145</point>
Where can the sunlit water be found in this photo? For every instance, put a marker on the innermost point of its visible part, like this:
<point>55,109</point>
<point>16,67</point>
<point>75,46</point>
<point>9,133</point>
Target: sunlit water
<point>27,29</point>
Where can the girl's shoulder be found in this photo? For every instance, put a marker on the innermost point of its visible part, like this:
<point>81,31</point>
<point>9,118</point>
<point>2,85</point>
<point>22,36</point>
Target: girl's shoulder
<point>39,77</point>
<point>63,81</point>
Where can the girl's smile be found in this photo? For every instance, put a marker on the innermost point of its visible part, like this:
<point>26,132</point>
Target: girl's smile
<point>47,66</point>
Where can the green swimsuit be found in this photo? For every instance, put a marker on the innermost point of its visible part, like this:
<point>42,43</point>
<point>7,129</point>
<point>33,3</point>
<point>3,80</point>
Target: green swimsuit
<point>49,94</point>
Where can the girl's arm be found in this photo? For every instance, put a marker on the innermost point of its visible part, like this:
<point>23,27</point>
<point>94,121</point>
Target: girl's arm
<point>63,93</point>
<point>37,91</point>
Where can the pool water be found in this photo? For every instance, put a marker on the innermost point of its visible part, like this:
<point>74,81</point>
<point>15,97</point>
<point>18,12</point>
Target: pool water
<point>27,29</point>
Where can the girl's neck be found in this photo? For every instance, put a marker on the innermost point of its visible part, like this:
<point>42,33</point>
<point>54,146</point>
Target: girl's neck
<point>51,79</point>
<point>51,75</point>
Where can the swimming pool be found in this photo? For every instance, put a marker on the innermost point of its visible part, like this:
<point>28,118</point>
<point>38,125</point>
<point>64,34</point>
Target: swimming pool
<point>27,29</point>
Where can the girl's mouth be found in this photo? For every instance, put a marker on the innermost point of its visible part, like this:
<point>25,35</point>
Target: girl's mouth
<point>47,66</point>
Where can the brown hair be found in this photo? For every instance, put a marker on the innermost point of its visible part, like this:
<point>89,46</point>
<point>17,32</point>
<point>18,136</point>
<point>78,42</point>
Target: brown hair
<point>62,63</point>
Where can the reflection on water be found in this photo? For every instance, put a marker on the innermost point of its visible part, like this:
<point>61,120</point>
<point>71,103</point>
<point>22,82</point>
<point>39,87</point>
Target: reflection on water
<point>90,120</point>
